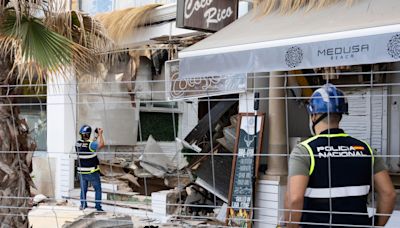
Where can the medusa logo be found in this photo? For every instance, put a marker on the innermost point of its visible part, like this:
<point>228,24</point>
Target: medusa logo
<point>393,47</point>
<point>294,56</point>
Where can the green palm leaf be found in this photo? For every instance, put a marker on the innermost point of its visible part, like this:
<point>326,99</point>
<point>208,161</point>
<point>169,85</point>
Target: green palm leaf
<point>39,50</point>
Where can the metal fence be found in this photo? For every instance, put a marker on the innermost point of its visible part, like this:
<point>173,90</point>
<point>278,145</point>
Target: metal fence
<point>195,177</point>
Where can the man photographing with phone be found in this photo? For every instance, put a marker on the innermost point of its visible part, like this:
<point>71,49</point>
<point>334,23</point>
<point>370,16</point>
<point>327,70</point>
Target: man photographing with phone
<point>88,164</point>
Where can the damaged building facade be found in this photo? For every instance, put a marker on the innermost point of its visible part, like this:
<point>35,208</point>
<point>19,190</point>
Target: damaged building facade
<point>171,129</point>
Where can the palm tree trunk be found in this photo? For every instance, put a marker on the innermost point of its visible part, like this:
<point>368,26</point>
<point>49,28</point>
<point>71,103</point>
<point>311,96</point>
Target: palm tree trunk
<point>15,157</point>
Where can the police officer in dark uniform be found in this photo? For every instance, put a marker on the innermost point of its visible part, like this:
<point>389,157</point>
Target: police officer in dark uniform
<point>331,174</point>
<point>88,164</point>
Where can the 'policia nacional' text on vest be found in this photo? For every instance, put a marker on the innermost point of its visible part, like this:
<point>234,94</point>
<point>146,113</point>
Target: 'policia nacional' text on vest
<point>340,179</point>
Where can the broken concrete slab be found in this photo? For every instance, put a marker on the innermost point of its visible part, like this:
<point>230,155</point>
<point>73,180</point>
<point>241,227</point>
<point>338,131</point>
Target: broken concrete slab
<point>186,145</point>
<point>39,198</point>
<point>158,162</point>
<point>178,181</point>
<point>142,173</point>
<point>132,179</point>
<point>165,203</point>
<point>153,159</point>
<point>198,201</point>
<point>52,216</point>
<point>230,137</point>
<point>130,200</point>
<point>153,184</point>
<point>111,170</point>
<point>96,220</point>
<point>112,184</point>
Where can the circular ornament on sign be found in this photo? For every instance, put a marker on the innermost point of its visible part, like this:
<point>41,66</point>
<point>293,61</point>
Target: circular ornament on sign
<point>393,47</point>
<point>294,56</point>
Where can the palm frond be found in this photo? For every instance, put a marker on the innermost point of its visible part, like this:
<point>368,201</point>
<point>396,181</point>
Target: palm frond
<point>266,7</point>
<point>39,51</point>
<point>81,29</point>
<point>120,23</point>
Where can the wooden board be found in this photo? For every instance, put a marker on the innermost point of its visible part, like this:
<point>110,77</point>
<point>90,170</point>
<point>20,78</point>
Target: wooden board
<point>222,164</point>
<point>203,127</point>
<point>244,165</point>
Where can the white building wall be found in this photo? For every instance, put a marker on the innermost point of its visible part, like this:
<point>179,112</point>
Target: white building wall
<point>61,130</point>
<point>394,121</point>
<point>367,119</point>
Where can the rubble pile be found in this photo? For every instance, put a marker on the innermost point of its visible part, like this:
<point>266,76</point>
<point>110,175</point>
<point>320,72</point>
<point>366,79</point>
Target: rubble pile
<point>191,181</point>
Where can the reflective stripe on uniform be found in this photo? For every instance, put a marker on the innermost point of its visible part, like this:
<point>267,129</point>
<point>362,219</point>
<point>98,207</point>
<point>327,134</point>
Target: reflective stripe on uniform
<point>333,135</point>
<point>93,169</point>
<point>90,148</point>
<point>87,156</point>
<point>310,152</point>
<point>370,150</point>
<point>86,168</point>
<point>337,192</point>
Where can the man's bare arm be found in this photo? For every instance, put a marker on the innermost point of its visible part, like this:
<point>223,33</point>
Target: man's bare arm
<point>100,138</point>
<point>294,199</point>
<point>386,196</point>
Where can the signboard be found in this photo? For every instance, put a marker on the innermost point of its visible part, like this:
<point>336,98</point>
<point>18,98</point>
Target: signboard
<point>206,15</point>
<point>178,88</point>
<point>244,167</point>
<point>266,57</point>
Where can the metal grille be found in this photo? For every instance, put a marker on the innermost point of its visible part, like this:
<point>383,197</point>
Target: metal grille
<point>104,102</point>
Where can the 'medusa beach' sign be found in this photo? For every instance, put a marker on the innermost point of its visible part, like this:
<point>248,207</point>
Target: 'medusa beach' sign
<point>207,15</point>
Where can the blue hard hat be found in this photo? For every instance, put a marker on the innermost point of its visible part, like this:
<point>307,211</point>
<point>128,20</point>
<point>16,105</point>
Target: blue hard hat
<point>85,129</point>
<point>328,99</point>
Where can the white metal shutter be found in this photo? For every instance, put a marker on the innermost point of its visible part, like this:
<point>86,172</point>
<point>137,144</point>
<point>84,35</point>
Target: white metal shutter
<point>367,119</point>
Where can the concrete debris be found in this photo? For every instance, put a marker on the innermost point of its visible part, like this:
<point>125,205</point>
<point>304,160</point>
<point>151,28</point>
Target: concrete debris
<point>112,185</point>
<point>162,181</point>
<point>164,203</point>
<point>39,198</point>
<point>142,173</point>
<point>159,163</point>
<point>132,179</point>
<point>111,170</point>
<point>52,216</point>
<point>185,144</point>
<point>221,212</point>
<point>115,170</point>
<point>194,223</point>
<point>96,220</point>
<point>153,159</point>
<point>120,162</point>
<point>198,200</point>
<point>230,137</point>
<point>61,202</point>
<point>179,181</point>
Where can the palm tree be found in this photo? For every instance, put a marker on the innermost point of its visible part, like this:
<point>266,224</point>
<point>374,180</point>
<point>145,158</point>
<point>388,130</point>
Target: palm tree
<point>38,39</point>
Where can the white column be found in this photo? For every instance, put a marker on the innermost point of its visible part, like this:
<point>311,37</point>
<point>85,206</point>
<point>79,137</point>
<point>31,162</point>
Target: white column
<point>246,102</point>
<point>189,118</point>
<point>394,121</point>
<point>61,130</point>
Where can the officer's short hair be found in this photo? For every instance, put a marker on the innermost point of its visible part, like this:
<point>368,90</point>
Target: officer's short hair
<point>332,118</point>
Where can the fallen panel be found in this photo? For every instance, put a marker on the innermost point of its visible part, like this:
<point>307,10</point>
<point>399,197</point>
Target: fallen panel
<point>222,168</point>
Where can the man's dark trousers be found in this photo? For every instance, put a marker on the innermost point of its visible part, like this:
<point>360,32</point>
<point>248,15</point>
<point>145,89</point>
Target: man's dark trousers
<point>93,178</point>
